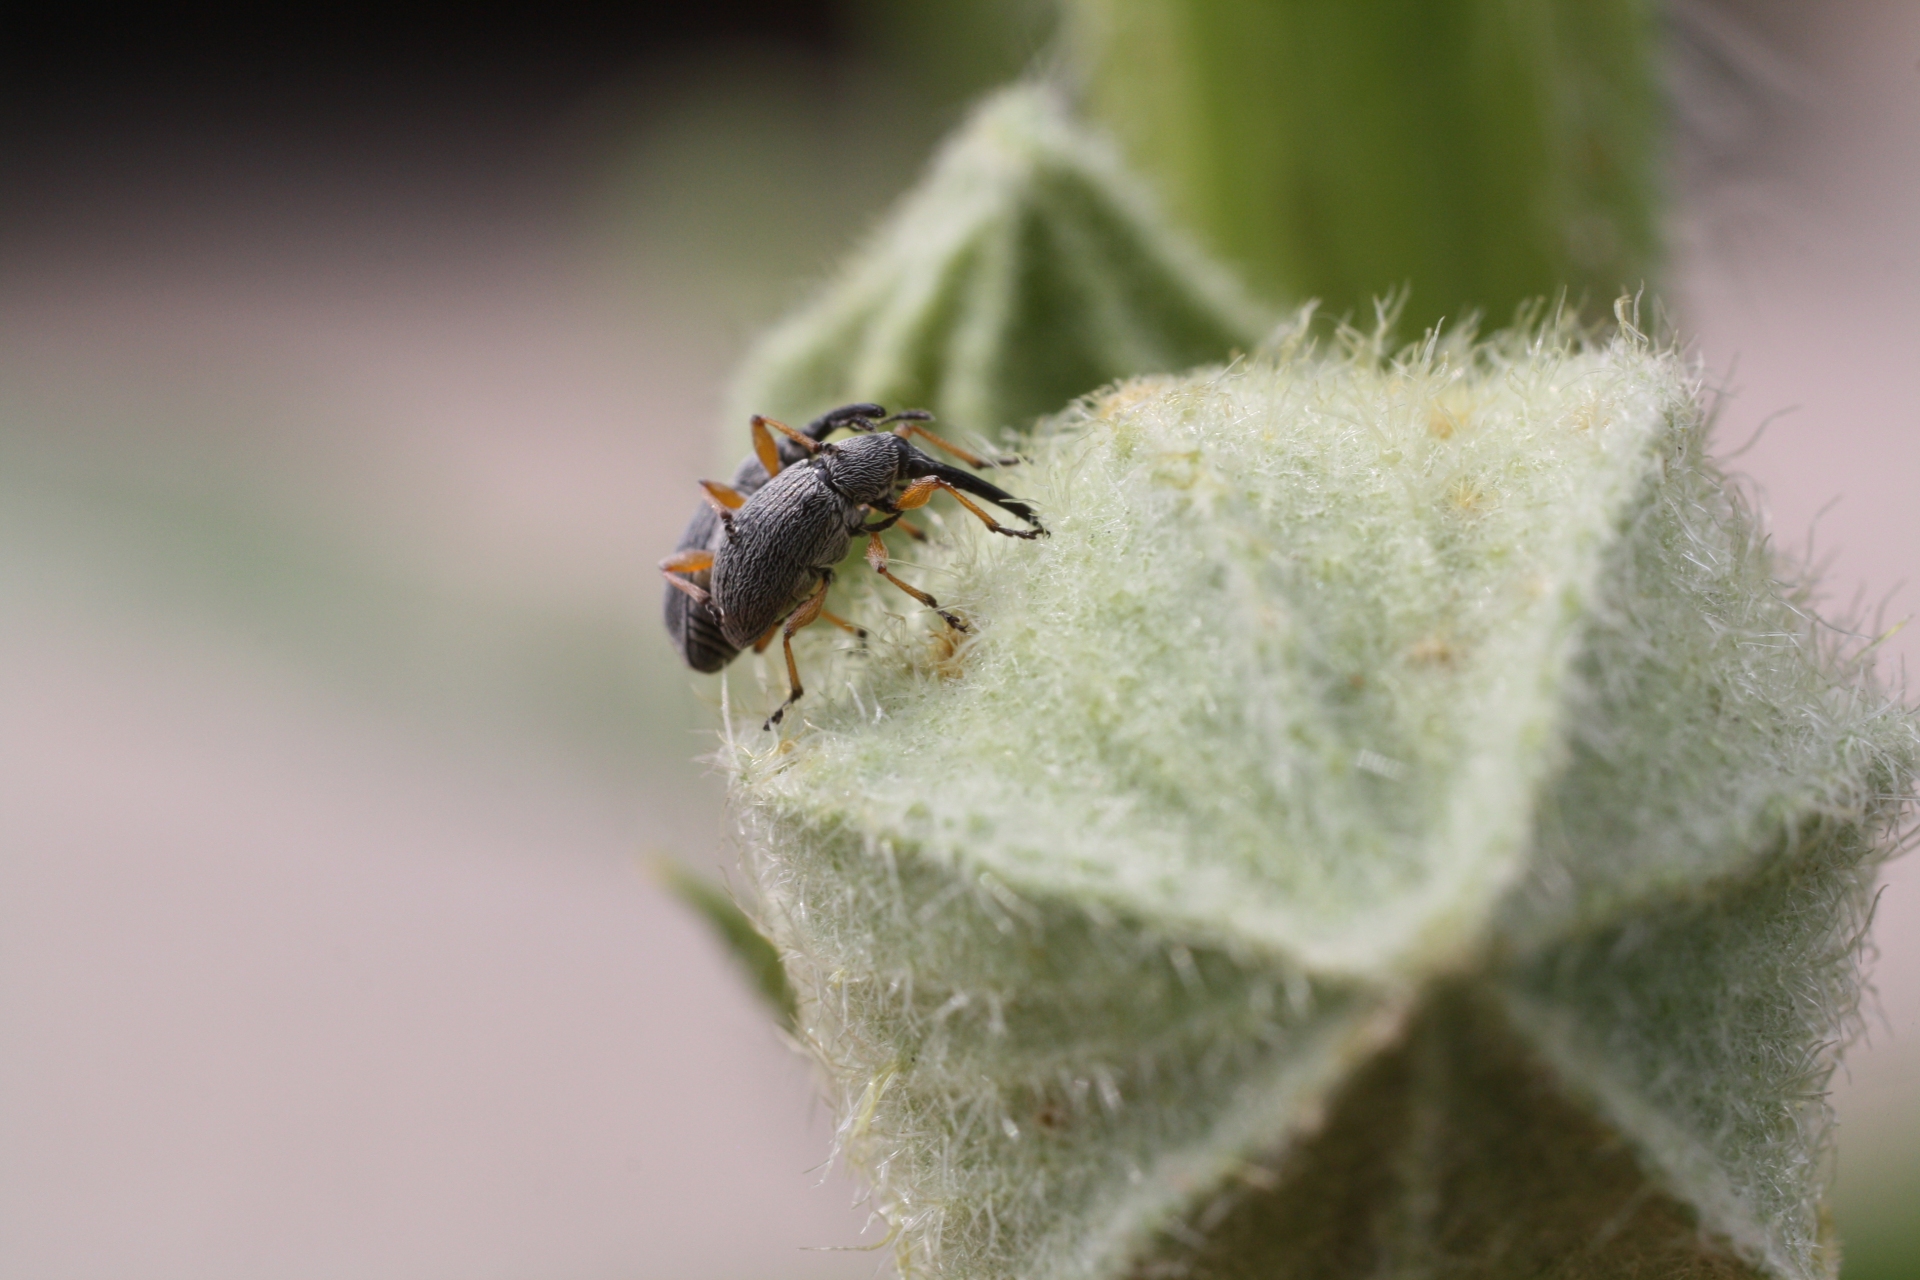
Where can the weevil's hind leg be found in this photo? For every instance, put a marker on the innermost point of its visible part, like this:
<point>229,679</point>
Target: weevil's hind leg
<point>694,561</point>
<point>760,645</point>
<point>723,498</point>
<point>690,560</point>
<point>917,494</point>
<point>693,590</point>
<point>764,448</point>
<point>877,561</point>
<point>908,429</point>
<point>805,614</point>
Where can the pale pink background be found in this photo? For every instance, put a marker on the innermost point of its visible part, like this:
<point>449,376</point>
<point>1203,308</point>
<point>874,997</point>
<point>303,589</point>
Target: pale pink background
<point>305,972</point>
<point>1801,281</point>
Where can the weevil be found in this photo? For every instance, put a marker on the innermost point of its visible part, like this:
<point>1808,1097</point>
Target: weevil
<point>769,555</point>
<point>691,622</point>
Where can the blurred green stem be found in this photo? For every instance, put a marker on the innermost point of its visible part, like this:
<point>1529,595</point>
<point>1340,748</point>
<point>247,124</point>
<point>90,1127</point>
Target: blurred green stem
<point>1480,152</point>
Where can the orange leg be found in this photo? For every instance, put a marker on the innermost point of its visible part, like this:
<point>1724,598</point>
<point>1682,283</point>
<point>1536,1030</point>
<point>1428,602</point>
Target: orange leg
<point>805,614</point>
<point>690,560</point>
<point>906,429</point>
<point>680,562</point>
<point>723,497</point>
<point>877,561</point>
<point>921,490</point>
<point>860,633</point>
<point>763,446</point>
<point>856,631</point>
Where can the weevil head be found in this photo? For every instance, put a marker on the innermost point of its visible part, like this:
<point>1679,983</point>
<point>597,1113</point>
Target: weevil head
<point>866,467</point>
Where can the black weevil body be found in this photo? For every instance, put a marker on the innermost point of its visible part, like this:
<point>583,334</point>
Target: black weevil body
<point>692,624</point>
<point>772,555</point>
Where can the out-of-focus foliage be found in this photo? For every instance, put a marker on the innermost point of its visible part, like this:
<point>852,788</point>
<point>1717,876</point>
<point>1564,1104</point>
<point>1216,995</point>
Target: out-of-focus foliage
<point>1027,268</point>
<point>1482,152</point>
<point>1878,1201</point>
<point>744,942</point>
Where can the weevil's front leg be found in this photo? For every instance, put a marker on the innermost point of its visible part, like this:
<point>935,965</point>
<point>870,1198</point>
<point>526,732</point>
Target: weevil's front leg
<point>877,561</point>
<point>805,614</point>
<point>925,487</point>
<point>881,525</point>
<point>893,520</point>
<point>680,562</point>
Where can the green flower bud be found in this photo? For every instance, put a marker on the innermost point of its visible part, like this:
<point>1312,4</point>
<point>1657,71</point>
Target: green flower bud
<point>1025,269</point>
<point>1399,823</point>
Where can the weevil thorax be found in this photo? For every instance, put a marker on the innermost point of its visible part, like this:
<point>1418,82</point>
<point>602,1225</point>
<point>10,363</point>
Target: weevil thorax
<point>864,468</point>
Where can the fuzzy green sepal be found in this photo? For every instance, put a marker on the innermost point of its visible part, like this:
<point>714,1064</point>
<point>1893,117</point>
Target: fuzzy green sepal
<point>1373,730</point>
<point>1026,268</point>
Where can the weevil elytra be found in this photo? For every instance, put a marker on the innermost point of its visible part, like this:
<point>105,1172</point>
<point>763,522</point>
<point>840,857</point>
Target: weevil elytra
<point>763,550</point>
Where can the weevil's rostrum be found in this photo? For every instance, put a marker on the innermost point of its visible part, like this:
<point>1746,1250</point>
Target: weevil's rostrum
<point>763,549</point>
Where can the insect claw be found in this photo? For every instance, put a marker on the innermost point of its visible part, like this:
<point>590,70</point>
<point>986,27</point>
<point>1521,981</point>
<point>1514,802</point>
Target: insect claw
<point>779,714</point>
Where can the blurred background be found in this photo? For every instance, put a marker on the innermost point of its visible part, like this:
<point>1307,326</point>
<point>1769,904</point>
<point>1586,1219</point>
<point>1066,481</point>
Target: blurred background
<point>353,371</point>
